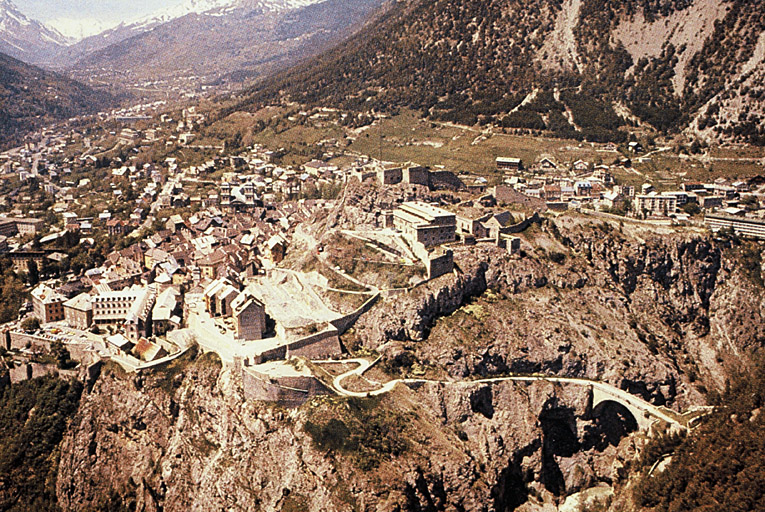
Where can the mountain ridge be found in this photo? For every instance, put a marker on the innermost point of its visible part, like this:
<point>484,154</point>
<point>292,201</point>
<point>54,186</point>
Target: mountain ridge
<point>699,69</point>
<point>24,38</point>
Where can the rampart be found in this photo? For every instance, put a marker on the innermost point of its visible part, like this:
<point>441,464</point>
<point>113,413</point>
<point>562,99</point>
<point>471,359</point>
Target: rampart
<point>290,391</point>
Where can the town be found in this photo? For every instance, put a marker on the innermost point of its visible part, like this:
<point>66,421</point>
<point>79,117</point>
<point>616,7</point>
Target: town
<point>133,256</point>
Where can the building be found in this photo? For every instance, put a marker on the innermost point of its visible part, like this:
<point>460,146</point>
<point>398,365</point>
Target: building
<point>390,176</point>
<point>426,224</point>
<point>27,226</point>
<point>48,304</point>
<point>416,175</point>
<point>508,164</point>
<point>163,316</point>
<point>741,226</point>
<point>249,315</point>
<point>114,307</point>
<point>239,197</point>
<point>138,320</point>
<point>147,351</point>
<point>78,311</point>
<point>655,204</point>
<point>8,227</point>
<point>218,297</point>
<point>21,260</point>
<point>128,136</point>
<point>117,227</point>
<point>277,248</point>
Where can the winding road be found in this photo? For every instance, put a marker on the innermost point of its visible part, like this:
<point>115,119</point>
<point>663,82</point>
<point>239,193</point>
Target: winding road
<point>606,391</point>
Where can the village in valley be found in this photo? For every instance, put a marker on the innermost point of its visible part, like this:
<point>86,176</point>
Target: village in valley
<point>139,239</point>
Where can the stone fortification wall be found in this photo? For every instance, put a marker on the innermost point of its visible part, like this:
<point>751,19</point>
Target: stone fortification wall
<point>31,371</point>
<point>317,346</point>
<point>436,265</point>
<point>276,354</point>
<point>344,323</point>
<point>523,225</point>
<point>287,391</point>
<point>21,340</point>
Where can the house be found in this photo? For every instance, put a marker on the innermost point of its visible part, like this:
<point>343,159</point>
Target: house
<point>78,311</point>
<point>148,351</point>
<point>547,164</point>
<point>120,343</point>
<point>48,304</point>
<point>164,310</point>
<point>496,223</point>
<point>117,227</point>
<point>508,164</point>
<point>581,166</point>
<point>611,198</point>
<point>210,263</point>
<point>218,297</point>
<point>239,197</point>
<point>249,315</point>
<point>277,248</point>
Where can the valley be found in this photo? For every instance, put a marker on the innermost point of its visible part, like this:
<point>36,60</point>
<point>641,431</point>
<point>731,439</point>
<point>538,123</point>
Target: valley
<point>384,256</point>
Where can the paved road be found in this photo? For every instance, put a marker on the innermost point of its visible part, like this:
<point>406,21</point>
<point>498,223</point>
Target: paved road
<point>618,394</point>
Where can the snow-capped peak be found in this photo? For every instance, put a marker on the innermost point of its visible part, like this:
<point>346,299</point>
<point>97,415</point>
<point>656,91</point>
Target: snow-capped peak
<point>22,37</point>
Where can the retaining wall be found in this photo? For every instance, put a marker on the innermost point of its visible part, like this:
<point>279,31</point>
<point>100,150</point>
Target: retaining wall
<point>344,323</point>
<point>317,346</point>
<point>287,391</point>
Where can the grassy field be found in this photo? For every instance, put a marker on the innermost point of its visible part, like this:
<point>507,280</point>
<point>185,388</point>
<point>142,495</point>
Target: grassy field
<point>406,137</point>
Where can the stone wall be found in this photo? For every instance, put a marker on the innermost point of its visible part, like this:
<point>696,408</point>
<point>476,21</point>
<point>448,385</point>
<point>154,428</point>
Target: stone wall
<point>31,371</point>
<point>436,265</point>
<point>287,391</point>
<point>21,340</point>
<point>523,225</point>
<point>344,323</point>
<point>317,346</point>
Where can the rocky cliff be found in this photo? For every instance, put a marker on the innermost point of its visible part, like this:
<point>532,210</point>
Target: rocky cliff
<point>662,316</point>
<point>186,440</point>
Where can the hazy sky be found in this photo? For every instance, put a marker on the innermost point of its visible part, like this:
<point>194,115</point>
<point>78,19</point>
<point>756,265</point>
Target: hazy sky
<point>108,11</point>
<point>81,18</point>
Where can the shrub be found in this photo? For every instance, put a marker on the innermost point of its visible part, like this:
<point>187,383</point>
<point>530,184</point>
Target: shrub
<point>30,324</point>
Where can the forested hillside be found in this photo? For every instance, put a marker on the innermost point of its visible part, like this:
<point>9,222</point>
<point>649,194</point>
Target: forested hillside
<point>670,64</point>
<point>30,97</point>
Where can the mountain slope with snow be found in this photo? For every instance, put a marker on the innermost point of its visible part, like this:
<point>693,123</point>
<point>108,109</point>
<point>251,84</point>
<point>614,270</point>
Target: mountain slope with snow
<point>242,38</point>
<point>25,39</point>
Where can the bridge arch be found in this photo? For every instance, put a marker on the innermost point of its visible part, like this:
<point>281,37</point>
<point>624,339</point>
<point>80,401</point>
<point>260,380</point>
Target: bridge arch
<point>601,399</point>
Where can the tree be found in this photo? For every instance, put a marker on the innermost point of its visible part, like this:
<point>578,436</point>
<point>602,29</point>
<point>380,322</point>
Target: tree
<point>30,324</point>
<point>691,208</point>
<point>33,275</point>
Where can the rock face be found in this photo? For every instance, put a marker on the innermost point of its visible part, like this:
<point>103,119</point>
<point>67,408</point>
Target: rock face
<point>189,441</point>
<point>660,316</point>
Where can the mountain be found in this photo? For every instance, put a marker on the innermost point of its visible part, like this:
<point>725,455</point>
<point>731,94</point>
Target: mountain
<point>30,97</point>
<point>578,68</point>
<point>26,39</point>
<point>242,38</point>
